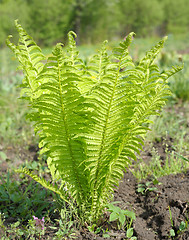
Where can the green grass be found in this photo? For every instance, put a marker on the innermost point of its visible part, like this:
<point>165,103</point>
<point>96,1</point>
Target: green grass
<point>23,198</point>
<point>157,167</point>
<point>172,123</point>
<point>14,128</point>
<point>180,85</point>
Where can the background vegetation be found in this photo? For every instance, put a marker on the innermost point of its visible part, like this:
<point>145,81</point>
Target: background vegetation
<point>48,21</point>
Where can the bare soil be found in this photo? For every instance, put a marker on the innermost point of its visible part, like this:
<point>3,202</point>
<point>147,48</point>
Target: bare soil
<point>152,213</point>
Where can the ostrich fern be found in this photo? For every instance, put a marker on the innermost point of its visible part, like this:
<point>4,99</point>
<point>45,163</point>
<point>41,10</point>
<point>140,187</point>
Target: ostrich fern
<point>92,119</point>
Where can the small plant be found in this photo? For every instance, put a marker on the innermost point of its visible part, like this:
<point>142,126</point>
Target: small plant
<point>34,229</point>
<point>39,223</point>
<point>65,225</point>
<point>94,228</point>
<point>91,119</point>
<point>175,232</point>
<point>124,218</point>
<point>2,226</point>
<point>129,234</point>
<point>14,231</point>
<point>21,203</point>
<point>144,188</point>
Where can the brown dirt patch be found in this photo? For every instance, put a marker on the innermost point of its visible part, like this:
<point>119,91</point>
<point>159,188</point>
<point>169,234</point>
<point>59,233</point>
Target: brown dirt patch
<point>152,213</point>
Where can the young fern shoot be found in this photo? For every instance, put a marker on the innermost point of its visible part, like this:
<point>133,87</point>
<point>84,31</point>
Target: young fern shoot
<point>92,119</point>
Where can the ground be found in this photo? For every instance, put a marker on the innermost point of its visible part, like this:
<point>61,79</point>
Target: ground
<point>152,212</point>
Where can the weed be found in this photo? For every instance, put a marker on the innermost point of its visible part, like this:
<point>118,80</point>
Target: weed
<point>123,217</point>
<point>2,226</point>
<point>144,188</point>
<point>65,226</point>
<point>21,202</point>
<point>13,232</point>
<point>177,231</point>
<point>35,166</point>
<point>33,230</point>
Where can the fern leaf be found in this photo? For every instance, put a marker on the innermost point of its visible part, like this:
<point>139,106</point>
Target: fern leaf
<point>151,55</point>
<point>124,100</point>
<point>167,74</point>
<point>44,183</point>
<point>60,120</point>
<point>108,104</point>
<point>30,58</point>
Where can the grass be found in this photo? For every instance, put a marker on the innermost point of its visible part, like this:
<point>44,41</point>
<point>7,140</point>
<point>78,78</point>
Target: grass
<point>172,164</point>
<point>180,84</point>
<point>21,198</point>
<point>172,123</point>
<point>22,202</point>
<point>14,128</point>
<point>24,197</point>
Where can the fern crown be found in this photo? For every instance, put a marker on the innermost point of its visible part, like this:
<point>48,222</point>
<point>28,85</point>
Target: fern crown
<point>91,118</point>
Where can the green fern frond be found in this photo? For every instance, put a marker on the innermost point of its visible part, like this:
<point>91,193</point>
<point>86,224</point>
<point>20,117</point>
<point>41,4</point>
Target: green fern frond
<point>131,96</point>
<point>30,58</point>
<point>61,111</point>
<point>167,74</point>
<point>45,184</point>
<point>152,54</point>
<point>109,108</point>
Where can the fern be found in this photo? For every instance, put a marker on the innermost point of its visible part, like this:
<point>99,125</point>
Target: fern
<point>92,119</point>
<point>45,184</point>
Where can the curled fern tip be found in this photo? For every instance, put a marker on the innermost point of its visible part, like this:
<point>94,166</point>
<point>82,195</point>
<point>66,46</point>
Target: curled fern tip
<point>72,34</point>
